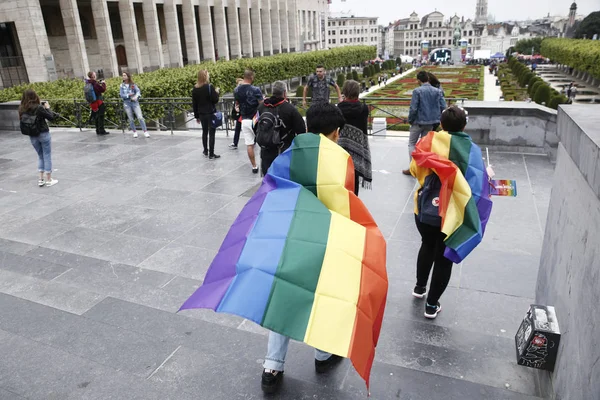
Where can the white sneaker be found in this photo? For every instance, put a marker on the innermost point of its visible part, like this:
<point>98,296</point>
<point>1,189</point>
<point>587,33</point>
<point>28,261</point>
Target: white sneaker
<point>146,134</point>
<point>51,182</point>
<point>134,135</point>
<point>41,183</point>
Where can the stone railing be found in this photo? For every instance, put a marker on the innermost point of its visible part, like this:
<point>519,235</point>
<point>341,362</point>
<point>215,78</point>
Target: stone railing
<point>513,126</point>
<point>569,273</point>
<point>9,116</point>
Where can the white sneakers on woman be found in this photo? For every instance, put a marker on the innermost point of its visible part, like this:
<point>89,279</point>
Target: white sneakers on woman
<point>146,134</point>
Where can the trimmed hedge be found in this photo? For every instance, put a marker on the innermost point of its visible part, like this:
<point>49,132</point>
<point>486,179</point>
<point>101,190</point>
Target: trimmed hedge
<point>535,88</point>
<point>583,55</point>
<point>542,95</point>
<point>341,79</point>
<point>178,82</point>
<point>355,75</point>
<point>367,71</point>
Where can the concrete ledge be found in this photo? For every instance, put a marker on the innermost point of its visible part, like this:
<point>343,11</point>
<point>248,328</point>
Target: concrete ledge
<point>569,273</point>
<point>527,126</point>
<point>579,133</point>
<point>9,116</point>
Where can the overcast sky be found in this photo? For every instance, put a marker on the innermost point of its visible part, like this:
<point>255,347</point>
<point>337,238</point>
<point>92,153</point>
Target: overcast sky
<point>390,10</point>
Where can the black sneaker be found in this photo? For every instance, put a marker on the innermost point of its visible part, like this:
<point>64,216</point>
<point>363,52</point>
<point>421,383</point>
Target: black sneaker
<point>419,291</point>
<point>205,152</point>
<point>103,133</point>
<point>255,170</point>
<point>214,156</point>
<point>432,311</point>
<point>270,381</point>
<point>324,366</point>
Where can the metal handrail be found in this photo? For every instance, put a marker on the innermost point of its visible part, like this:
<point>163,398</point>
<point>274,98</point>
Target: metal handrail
<point>173,105</point>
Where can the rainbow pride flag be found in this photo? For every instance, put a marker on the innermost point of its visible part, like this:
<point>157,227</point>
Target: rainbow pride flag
<point>503,187</point>
<point>305,258</point>
<point>465,204</point>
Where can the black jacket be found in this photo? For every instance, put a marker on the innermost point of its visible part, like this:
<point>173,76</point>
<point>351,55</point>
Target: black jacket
<point>289,116</point>
<point>355,114</point>
<point>204,99</point>
<point>43,114</point>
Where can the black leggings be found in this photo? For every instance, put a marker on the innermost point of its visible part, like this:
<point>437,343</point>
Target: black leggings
<point>208,133</point>
<point>356,182</point>
<point>432,254</point>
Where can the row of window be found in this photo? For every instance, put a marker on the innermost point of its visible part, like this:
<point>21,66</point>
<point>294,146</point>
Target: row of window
<point>352,31</point>
<point>442,42</point>
<point>352,40</point>
<point>343,23</point>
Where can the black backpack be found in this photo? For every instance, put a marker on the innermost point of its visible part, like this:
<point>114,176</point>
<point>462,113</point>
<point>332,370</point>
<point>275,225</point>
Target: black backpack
<point>268,129</point>
<point>428,201</point>
<point>29,124</point>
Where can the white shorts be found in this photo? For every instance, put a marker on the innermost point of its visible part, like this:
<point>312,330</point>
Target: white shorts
<point>248,132</point>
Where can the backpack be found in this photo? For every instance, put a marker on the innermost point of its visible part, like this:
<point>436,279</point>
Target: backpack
<point>428,201</point>
<point>29,124</point>
<point>268,129</point>
<point>88,91</point>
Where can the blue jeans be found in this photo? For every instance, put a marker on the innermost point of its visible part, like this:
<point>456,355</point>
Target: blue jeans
<point>41,144</point>
<point>416,132</point>
<point>134,108</point>
<point>277,350</point>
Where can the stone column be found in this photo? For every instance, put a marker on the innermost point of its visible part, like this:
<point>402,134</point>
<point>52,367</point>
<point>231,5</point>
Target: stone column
<point>265,27</point>
<point>155,49</point>
<point>106,44</point>
<point>235,42</point>
<point>37,42</point>
<point>257,38</point>
<point>292,17</point>
<point>191,34</point>
<point>275,26</point>
<point>173,39</point>
<point>284,26</point>
<point>206,31</point>
<point>132,42</point>
<point>221,30</point>
<point>246,31</point>
<point>75,40</point>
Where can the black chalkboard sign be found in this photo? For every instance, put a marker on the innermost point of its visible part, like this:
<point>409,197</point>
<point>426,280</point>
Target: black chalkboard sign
<point>538,338</point>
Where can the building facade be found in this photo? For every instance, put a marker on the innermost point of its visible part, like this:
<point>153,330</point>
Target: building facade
<point>48,39</point>
<point>433,27</point>
<point>385,42</point>
<point>348,30</point>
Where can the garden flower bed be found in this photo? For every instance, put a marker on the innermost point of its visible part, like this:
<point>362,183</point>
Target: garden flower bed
<point>457,82</point>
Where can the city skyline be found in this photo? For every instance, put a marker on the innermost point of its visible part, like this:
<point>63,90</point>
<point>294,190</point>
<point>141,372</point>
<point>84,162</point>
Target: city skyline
<point>502,11</point>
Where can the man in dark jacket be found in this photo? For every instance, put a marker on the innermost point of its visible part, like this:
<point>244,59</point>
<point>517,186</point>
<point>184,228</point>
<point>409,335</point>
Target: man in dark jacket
<point>98,107</point>
<point>289,116</point>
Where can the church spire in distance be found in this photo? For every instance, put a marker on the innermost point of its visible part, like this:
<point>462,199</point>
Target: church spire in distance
<point>481,13</point>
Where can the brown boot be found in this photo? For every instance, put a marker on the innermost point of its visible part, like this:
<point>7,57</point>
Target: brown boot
<point>406,171</point>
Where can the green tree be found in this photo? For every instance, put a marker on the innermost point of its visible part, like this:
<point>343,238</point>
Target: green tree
<point>367,71</point>
<point>349,76</point>
<point>371,70</point>
<point>589,26</point>
<point>355,75</point>
<point>377,68</point>
<point>524,46</point>
<point>340,80</point>
<point>398,61</point>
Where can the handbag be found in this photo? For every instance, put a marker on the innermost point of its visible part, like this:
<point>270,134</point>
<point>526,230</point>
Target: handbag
<point>217,116</point>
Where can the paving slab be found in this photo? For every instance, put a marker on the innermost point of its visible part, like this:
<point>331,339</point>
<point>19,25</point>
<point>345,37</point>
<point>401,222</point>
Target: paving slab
<point>94,269</point>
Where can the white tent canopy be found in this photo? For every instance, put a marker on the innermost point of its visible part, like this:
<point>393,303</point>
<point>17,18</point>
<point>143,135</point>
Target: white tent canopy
<point>482,54</point>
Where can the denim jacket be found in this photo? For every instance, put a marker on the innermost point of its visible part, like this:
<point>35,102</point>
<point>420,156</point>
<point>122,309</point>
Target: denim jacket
<point>426,105</point>
<point>127,89</point>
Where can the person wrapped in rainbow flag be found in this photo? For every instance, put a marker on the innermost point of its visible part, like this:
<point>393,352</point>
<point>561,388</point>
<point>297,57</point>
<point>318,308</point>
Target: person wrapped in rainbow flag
<point>452,205</point>
<point>305,258</point>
